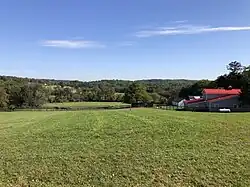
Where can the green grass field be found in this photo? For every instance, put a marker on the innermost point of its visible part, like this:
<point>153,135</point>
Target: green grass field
<point>142,147</point>
<point>84,104</point>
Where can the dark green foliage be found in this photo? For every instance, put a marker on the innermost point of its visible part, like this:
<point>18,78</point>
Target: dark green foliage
<point>4,100</point>
<point>235,67</point>
<point>196,88</point>
<point>234,78</point>
<point>119,97</point>
<point>23,93</point>
<point>245,95</point>
<point>15,97</point>
<point>238,77</point>
<point>33,95</point>
<point>136,93</point>
<point>155,97</point>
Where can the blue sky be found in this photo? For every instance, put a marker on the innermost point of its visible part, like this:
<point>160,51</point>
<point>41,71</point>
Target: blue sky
<point>111,39</point>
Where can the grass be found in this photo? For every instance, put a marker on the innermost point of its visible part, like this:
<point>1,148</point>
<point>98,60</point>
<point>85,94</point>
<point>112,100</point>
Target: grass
<point>84,104</point>
<point>142,147</point>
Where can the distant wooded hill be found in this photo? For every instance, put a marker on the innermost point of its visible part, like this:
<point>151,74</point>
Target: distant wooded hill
<point>30,92</point>
<point>152,85</point>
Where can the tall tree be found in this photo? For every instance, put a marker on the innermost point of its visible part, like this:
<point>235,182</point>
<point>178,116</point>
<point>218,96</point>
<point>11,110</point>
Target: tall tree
<point>234,78</point>
<point>3,98</point>
<point>235,67</point>
<point>245,91</point>
<point>196,89</point>
<point>33,95</point>
<point>136,93</point>
<point>156,97</point>
<point>15,96</point>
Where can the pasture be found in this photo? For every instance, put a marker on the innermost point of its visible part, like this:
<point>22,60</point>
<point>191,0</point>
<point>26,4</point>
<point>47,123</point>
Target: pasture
<point>85,104</point>
<point>141,147</point>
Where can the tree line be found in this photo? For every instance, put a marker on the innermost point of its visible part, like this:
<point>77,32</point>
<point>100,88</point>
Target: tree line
<point>16,92</point>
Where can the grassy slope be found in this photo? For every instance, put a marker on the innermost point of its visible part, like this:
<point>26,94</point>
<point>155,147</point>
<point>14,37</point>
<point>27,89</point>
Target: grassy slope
<point>142,147</point>
<point>84,104</point>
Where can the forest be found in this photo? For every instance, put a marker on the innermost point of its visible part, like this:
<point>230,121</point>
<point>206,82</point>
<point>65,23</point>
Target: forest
<point>17,92</point>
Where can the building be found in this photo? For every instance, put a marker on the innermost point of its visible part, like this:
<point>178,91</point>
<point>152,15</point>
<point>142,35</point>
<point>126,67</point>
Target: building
<point>215,99</point>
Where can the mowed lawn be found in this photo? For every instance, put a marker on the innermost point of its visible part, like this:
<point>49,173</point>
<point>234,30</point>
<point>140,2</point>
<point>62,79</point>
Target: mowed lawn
<point>142,147</point>
<point>85,104</point>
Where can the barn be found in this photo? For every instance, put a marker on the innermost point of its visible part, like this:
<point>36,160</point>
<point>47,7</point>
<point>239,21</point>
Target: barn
<point>215,99</point>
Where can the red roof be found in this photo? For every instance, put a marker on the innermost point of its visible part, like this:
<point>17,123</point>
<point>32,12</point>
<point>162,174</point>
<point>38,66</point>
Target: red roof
<point>221,98</point>
<point>222,91</point>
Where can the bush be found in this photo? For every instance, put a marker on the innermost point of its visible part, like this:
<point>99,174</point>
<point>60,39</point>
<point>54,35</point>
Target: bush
<point>12,107</point>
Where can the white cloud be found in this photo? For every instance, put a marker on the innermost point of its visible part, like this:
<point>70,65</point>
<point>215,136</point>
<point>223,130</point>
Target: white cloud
<point>187,29</point>
<point>72,44</point>
<point>126,43</point>
<point>180,21</point>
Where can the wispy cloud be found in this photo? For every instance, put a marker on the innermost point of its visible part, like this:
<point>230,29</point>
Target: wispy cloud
<point>187,29</point>
<point>126,44</point>
<point>75,44</point>
<point>180,21</point>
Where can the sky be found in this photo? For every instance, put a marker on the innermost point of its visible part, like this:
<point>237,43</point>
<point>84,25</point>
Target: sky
<point>110,39</point>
